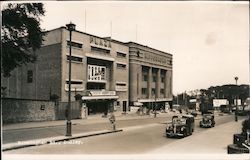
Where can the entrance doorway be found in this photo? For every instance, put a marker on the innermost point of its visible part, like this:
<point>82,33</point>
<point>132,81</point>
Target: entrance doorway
<point>100,107</point>
<point>97,107</point>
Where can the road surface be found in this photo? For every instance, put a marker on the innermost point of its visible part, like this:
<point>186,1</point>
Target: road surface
<point>135,139</point>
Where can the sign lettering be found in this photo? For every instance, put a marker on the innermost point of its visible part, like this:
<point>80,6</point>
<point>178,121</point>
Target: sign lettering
<point>154,58</point>
<point>100,42</point>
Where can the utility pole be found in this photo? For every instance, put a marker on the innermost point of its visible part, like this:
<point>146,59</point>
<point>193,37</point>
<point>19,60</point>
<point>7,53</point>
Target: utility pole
<point>236,112</point>
<point>70,27</point>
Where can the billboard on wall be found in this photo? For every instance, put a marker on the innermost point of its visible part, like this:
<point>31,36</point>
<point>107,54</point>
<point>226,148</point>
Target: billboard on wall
<point>96,73</point>
<point>219,102</point>
<point>238,102</point>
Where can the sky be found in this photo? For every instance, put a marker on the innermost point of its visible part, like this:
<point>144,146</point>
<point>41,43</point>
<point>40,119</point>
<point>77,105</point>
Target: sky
<point>209,41</point>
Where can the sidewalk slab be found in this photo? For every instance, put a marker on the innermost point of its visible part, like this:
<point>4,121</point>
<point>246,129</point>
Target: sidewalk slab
<point>37,142</point>
<point>89,120</point>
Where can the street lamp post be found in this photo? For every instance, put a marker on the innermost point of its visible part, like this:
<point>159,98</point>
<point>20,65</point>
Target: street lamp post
<point>236,112</point>
<point>155,107</point>
<point>70,27</point>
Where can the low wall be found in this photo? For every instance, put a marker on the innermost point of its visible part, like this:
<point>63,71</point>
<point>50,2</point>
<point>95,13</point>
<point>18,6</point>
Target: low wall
<point>23,110</point>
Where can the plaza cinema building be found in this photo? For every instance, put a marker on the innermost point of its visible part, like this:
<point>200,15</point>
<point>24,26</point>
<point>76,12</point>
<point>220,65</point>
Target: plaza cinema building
<point>100,71</point>
<point>150,77</point>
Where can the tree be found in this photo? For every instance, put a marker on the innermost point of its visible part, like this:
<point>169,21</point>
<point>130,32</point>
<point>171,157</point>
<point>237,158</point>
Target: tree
<point>21,34</point>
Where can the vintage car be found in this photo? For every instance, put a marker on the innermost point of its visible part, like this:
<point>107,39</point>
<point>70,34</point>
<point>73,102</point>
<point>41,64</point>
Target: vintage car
<point>180,126</point>
<point>207,120</point>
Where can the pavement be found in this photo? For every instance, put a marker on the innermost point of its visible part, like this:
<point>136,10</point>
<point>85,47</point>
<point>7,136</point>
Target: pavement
<point>89,120</point>
<point>47,124</point>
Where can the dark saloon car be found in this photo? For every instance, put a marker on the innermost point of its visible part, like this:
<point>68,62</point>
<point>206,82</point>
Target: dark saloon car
<point>180,126</point>
<point>207,120</point>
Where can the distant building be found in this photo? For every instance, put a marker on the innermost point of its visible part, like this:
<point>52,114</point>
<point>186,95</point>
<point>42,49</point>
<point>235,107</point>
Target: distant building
<point>150,76</point>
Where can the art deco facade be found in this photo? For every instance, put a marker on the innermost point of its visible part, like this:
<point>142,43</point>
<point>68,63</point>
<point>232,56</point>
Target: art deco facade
<point>99,67</point>
<point>150,76</point>
<point>109,74</point>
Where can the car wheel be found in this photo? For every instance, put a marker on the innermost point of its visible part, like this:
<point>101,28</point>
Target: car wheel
<point>185,133</point>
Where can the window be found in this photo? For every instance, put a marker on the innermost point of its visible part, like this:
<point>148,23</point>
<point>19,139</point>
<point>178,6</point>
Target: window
<point>75,58</point>
<point>96,73</point>
<point>30,76</point>
<point>76,85</point>
<point>96,86</point>
<point>162,79</point>
<point>162,91</point>
<point>74,82</point>
<point>144,91</point>
<point>153,91</point>
<point>121,66</point>
<point>74,44</point>
<point>121,84</point>
<point>117,103</point>
<point>96,49</point>
<point>154,78</point>
<point>145,77</point>
<point>121,55</point>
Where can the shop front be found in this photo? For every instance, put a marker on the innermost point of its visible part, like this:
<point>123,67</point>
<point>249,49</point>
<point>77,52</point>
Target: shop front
<point>99,102</point>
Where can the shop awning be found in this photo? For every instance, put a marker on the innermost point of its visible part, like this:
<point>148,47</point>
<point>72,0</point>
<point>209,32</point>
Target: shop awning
<point>99,97</point>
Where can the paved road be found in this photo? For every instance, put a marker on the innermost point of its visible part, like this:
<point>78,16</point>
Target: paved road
<point>133,140</point>
<point>15,135</point>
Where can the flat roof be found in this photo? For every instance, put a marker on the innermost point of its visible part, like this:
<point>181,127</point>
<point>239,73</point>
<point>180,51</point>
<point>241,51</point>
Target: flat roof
<point>112,40</point>
<point>128,43</point>
<point>107,38</point>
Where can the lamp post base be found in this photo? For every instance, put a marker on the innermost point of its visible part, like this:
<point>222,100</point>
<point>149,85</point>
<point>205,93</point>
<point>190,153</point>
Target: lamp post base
<point>68,132</point>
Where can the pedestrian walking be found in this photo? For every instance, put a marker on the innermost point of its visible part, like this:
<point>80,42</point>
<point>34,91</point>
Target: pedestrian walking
<point>112,120</point>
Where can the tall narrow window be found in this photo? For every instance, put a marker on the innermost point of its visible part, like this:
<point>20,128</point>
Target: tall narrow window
<point>144,91</point>
<point>29,76</point>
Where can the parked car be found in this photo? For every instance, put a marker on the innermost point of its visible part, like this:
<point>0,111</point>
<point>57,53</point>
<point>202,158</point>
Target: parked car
<point>241,111</point>
<point>180,126</point>
<point>234,109</point>
<point>194,113</point>
<point>207,120</point>
<point>225,108</point>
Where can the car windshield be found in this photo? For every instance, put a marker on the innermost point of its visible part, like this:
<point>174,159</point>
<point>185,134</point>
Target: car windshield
<point>179,121</point>
<point>207,116</point>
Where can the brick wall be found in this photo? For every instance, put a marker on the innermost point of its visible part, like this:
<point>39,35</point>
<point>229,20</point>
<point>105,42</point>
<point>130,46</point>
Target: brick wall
<point>21,110</point>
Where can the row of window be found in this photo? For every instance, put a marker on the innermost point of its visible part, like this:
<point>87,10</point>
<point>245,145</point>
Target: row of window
<point>144,91</point>
<point>145,78</point>
<point>74,44</point>
<point>75,58</point>
<point>79,59</point>
<point>96,49</point>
